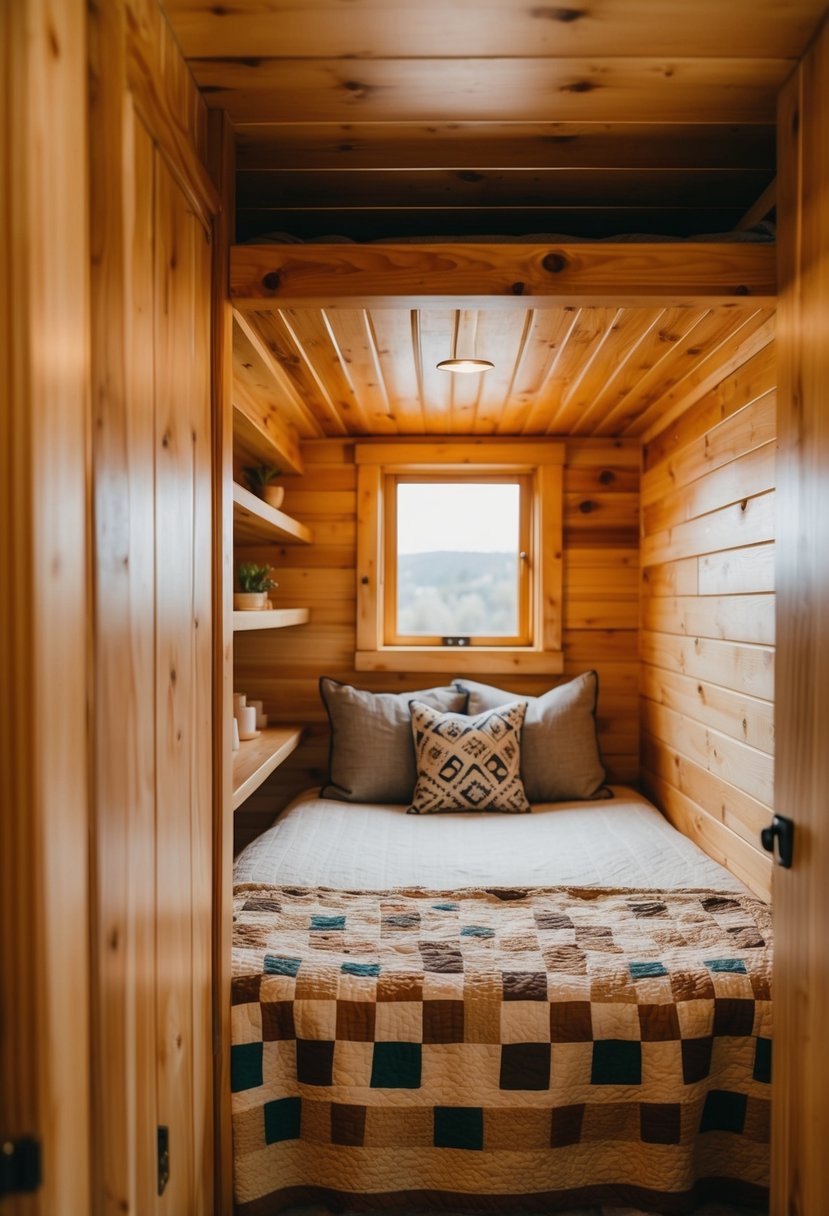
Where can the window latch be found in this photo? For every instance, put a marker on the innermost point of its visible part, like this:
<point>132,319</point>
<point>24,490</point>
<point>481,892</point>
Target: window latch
<point>20,1168</point>
<point>455,641</point>
<point>780,830</point>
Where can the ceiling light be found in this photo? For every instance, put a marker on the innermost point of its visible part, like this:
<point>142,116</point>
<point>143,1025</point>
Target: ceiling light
<point>465,365</point>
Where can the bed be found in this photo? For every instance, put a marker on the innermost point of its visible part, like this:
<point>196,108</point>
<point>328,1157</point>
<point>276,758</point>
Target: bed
<point>476,1011</point>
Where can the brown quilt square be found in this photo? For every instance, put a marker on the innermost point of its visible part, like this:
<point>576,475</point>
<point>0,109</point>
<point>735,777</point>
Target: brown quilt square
<point>441,957</point>
<point>566,1125</point>
<point>404,1127</point>
<point>552,920</point>
<point>278,1021</point>
<point>760,985</point>
<point>525,1066</point>
<point>314,1061</point>
<point>597,937</point>
<point>658,1022</point>
<point>692,986</point>
<point>524,985</point>
<point>443,1022</point>
<point>399,987</point>
<point>733,1016</point>
<point>611,1121</point>
<point>245,989</point>
<point>316,1121</point>
<point>570,1022</point>
<point>566,959</point>
<point>355,1021</point>
<point>348,1123</point>
<point>661,1122</point>
<point>519,1128</point>
<point>696,1059</point>
<point>746,937</point>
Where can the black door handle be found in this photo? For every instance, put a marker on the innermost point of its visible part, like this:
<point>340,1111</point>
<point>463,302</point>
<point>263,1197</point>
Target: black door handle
<point>781,830</point>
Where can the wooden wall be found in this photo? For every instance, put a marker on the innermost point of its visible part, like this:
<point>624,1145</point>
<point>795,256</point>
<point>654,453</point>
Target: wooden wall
<point>707,642</point>
<point>800,1163</point>
<point>151,215</point>
<point>601,610</point>
<point>44,772</point>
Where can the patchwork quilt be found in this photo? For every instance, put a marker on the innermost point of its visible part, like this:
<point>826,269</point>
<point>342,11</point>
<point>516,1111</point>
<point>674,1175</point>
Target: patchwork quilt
<point>489,1049</point>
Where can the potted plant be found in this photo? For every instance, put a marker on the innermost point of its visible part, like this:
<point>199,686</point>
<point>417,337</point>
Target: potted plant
<point>260,478</point>
<point>255,582</point>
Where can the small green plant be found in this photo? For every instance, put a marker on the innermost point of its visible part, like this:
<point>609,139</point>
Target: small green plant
<point>260,475</point>
<point>255,578</point>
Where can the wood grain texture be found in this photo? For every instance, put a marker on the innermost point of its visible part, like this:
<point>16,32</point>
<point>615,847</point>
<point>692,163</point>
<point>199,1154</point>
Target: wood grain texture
<point>627,274</point>
<point>222,165</point>
<point>375,29</point>
<point>800,1166</point>
<point>45,783</point>
<point>152,465</point>
<point>284,670</point>
<point>708,618</point>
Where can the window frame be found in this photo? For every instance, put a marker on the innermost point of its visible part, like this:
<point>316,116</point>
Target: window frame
<point>391,482</point>
<point>379,465</point>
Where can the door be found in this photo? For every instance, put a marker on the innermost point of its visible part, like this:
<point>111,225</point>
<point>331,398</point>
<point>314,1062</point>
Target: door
<point>800,1164</point>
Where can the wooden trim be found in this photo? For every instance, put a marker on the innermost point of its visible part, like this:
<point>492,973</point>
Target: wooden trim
<point>262,437</point>
<point>221,158</point>
<point>256,759</point>
<point>148,37</point>
<point>358,276</point>
<point>369,549</point>
<point>477,452</point>
<point>255,521</point>
<point>498,660</point>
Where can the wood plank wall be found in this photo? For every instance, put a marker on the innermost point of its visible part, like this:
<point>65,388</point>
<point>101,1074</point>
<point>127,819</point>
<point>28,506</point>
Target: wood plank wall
<point>601,610</point>
<point>800,1111</point>
<point>707,642</point>
<point>44,601</point>
<point>153,719</point>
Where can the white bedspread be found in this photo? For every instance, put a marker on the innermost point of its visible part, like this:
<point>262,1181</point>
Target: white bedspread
<point>619,842</point>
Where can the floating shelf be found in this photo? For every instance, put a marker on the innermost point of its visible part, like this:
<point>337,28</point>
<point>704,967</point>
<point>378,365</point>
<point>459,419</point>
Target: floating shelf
<point>255,521</point>
<point>256,759</point>
<point>273,618</point>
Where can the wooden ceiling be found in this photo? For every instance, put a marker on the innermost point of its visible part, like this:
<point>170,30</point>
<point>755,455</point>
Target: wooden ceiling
<point>609,372</point>
<point>378,118</point>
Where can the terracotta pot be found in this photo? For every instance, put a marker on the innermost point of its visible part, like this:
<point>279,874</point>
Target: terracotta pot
<point>273,495</point>
<point>250,601</point>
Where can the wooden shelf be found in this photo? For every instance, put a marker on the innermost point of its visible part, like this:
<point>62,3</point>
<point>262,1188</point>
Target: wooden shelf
<point>273,618</point>
<point>255,521</point>
<point>256,759</point>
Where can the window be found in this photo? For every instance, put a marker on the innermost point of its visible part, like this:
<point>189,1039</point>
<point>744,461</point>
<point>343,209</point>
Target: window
<point>459,548</point>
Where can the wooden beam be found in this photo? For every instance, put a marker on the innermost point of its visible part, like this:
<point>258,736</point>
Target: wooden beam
<point>503,145</point>
<point>358,276</point>
<point>750,28</point>
<point>761,208</point>
<point>516,89</point>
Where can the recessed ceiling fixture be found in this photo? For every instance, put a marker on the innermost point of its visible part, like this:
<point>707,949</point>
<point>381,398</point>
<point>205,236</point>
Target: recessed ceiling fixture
<point>470,363</point>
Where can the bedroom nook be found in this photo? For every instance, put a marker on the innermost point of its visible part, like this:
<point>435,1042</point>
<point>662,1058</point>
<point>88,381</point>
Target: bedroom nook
<point>414,617</point>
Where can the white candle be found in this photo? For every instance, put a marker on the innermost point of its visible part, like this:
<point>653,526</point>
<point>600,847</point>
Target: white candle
<point>261,716</point>
<point>239,702</point>
<point>246,718</point>
<point>235,743</point>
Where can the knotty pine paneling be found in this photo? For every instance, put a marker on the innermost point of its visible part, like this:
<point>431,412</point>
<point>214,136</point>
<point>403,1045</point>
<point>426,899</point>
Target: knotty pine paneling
<point>601,607</point>
<point>708,619</point>
<point>152,719</point>
<point>44,601</point>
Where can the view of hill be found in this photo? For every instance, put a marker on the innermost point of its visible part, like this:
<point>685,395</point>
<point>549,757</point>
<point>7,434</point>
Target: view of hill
<point>449,593</point>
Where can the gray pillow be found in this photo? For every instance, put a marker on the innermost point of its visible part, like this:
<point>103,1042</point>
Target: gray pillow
<point>372,757</point>
<point>559,751</point>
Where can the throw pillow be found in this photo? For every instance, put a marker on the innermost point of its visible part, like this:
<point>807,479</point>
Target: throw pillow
<point>560,758</point>
<point>371,756</point>
<point>468,763</point>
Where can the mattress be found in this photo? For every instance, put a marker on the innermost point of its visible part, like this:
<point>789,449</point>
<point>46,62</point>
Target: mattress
<point>617,843</point>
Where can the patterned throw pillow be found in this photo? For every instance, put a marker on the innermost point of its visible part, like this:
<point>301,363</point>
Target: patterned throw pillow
<point>468,764</point>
